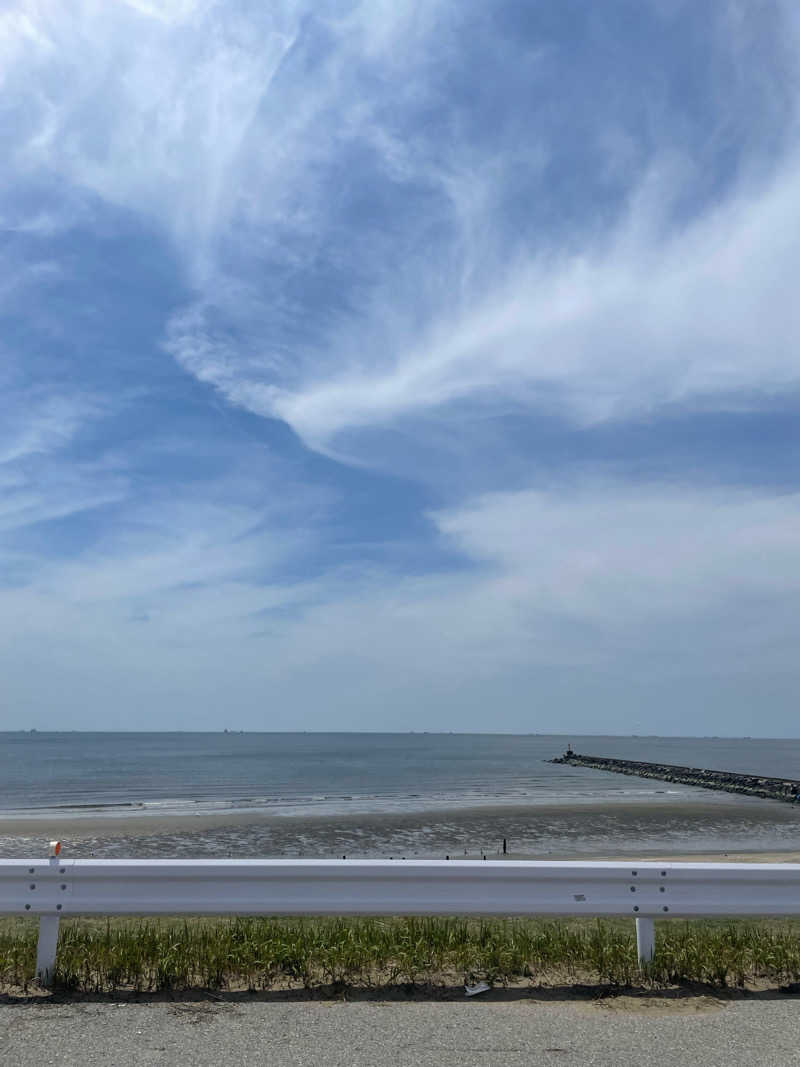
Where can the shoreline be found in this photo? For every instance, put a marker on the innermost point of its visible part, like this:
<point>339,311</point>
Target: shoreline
<point>657,833</point>
<point>77,825</point>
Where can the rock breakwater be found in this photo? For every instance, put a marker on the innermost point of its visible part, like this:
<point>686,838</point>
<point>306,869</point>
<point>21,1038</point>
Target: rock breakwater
<point>752,785</point>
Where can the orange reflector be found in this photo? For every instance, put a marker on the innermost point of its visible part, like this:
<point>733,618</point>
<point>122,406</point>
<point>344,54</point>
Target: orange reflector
<point>55,848</point>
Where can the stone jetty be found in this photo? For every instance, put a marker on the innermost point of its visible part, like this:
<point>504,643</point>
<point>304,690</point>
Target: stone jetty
<point>751,785</point>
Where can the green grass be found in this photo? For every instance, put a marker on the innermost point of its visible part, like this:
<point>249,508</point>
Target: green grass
<point>98,956</point>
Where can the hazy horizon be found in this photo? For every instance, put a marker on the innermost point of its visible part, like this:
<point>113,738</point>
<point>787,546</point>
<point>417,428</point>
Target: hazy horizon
<point>400,733</point>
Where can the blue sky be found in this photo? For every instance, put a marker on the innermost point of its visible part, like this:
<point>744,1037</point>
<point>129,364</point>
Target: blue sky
<point>400,365</point>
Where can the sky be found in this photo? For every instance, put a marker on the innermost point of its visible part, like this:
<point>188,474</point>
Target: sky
<point>395,365</point>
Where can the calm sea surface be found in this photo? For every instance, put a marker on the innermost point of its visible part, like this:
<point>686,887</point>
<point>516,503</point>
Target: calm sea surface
<point>386,793</point>
<point>291,774</point>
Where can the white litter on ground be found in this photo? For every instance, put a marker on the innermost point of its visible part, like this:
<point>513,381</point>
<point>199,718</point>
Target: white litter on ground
<point>479,987</point>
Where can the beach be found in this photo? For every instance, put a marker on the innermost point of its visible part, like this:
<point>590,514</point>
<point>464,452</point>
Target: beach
<point>696,830</point>
<point>537,1020</point>
<point>379,796</point>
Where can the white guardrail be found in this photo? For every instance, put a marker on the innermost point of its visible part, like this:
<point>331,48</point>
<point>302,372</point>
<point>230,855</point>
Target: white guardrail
<point>54,887</point>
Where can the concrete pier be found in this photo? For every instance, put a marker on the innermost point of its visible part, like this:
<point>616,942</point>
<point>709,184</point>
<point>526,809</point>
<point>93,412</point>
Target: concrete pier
<point>752,785</point>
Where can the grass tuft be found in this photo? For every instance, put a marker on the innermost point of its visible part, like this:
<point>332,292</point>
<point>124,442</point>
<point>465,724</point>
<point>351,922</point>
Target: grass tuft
<point>148,955</point>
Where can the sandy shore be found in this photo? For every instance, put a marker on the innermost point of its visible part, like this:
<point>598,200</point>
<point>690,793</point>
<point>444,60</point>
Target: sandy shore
<point>79,826</point>
<point>741,829</point>
<point>72,824</point>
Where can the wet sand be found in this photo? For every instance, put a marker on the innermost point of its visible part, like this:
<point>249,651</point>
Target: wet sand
<point>743,827</point>
<point>77,824</point>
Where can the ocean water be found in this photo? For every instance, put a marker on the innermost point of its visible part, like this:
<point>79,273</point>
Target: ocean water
<point>384,794</point>
<point>339,774</point>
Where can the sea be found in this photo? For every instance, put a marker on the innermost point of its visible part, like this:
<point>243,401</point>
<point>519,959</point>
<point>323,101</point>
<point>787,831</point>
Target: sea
<point>374,794</point>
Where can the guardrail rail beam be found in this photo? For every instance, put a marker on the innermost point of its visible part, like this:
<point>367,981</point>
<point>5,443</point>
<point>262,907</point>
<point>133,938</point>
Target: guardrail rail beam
<point>642,891</point>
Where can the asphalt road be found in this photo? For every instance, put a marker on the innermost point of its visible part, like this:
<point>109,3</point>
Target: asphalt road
<point>476,1033</point>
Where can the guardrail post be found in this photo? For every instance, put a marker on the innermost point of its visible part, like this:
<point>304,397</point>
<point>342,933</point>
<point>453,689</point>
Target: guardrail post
<point>645,940</point>
<point>46,949</point>
<point>48,929</point>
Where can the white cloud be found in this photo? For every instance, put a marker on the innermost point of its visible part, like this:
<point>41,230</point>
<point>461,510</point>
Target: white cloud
<point>156,549</point>
<point>43,419</point>
<point>45,494</point>
<point>621,556</point>
<point>666,306</point>
<point>145,104</point>
<point>169,11</point>
<point>357,267</point>
<point>644,320</point>
<point>599,578</point>
<point>599,588</point>
<point>192,114</point>
<point>170,109</point>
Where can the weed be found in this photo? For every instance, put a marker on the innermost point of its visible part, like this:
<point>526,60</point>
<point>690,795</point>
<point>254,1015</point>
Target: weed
<point>258,953</point>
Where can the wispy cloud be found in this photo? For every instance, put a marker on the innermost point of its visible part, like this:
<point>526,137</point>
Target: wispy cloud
<point>667,298</point>
<point>144,104</point>
<point>596,591</point>
<point>621,555</point>
<point>652,320</point>
<point>292,145</point>
<point>42,419</point>
<point>390,226</point>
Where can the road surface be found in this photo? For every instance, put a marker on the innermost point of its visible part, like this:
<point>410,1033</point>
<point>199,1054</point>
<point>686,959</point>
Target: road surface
<point>510,1032</point>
